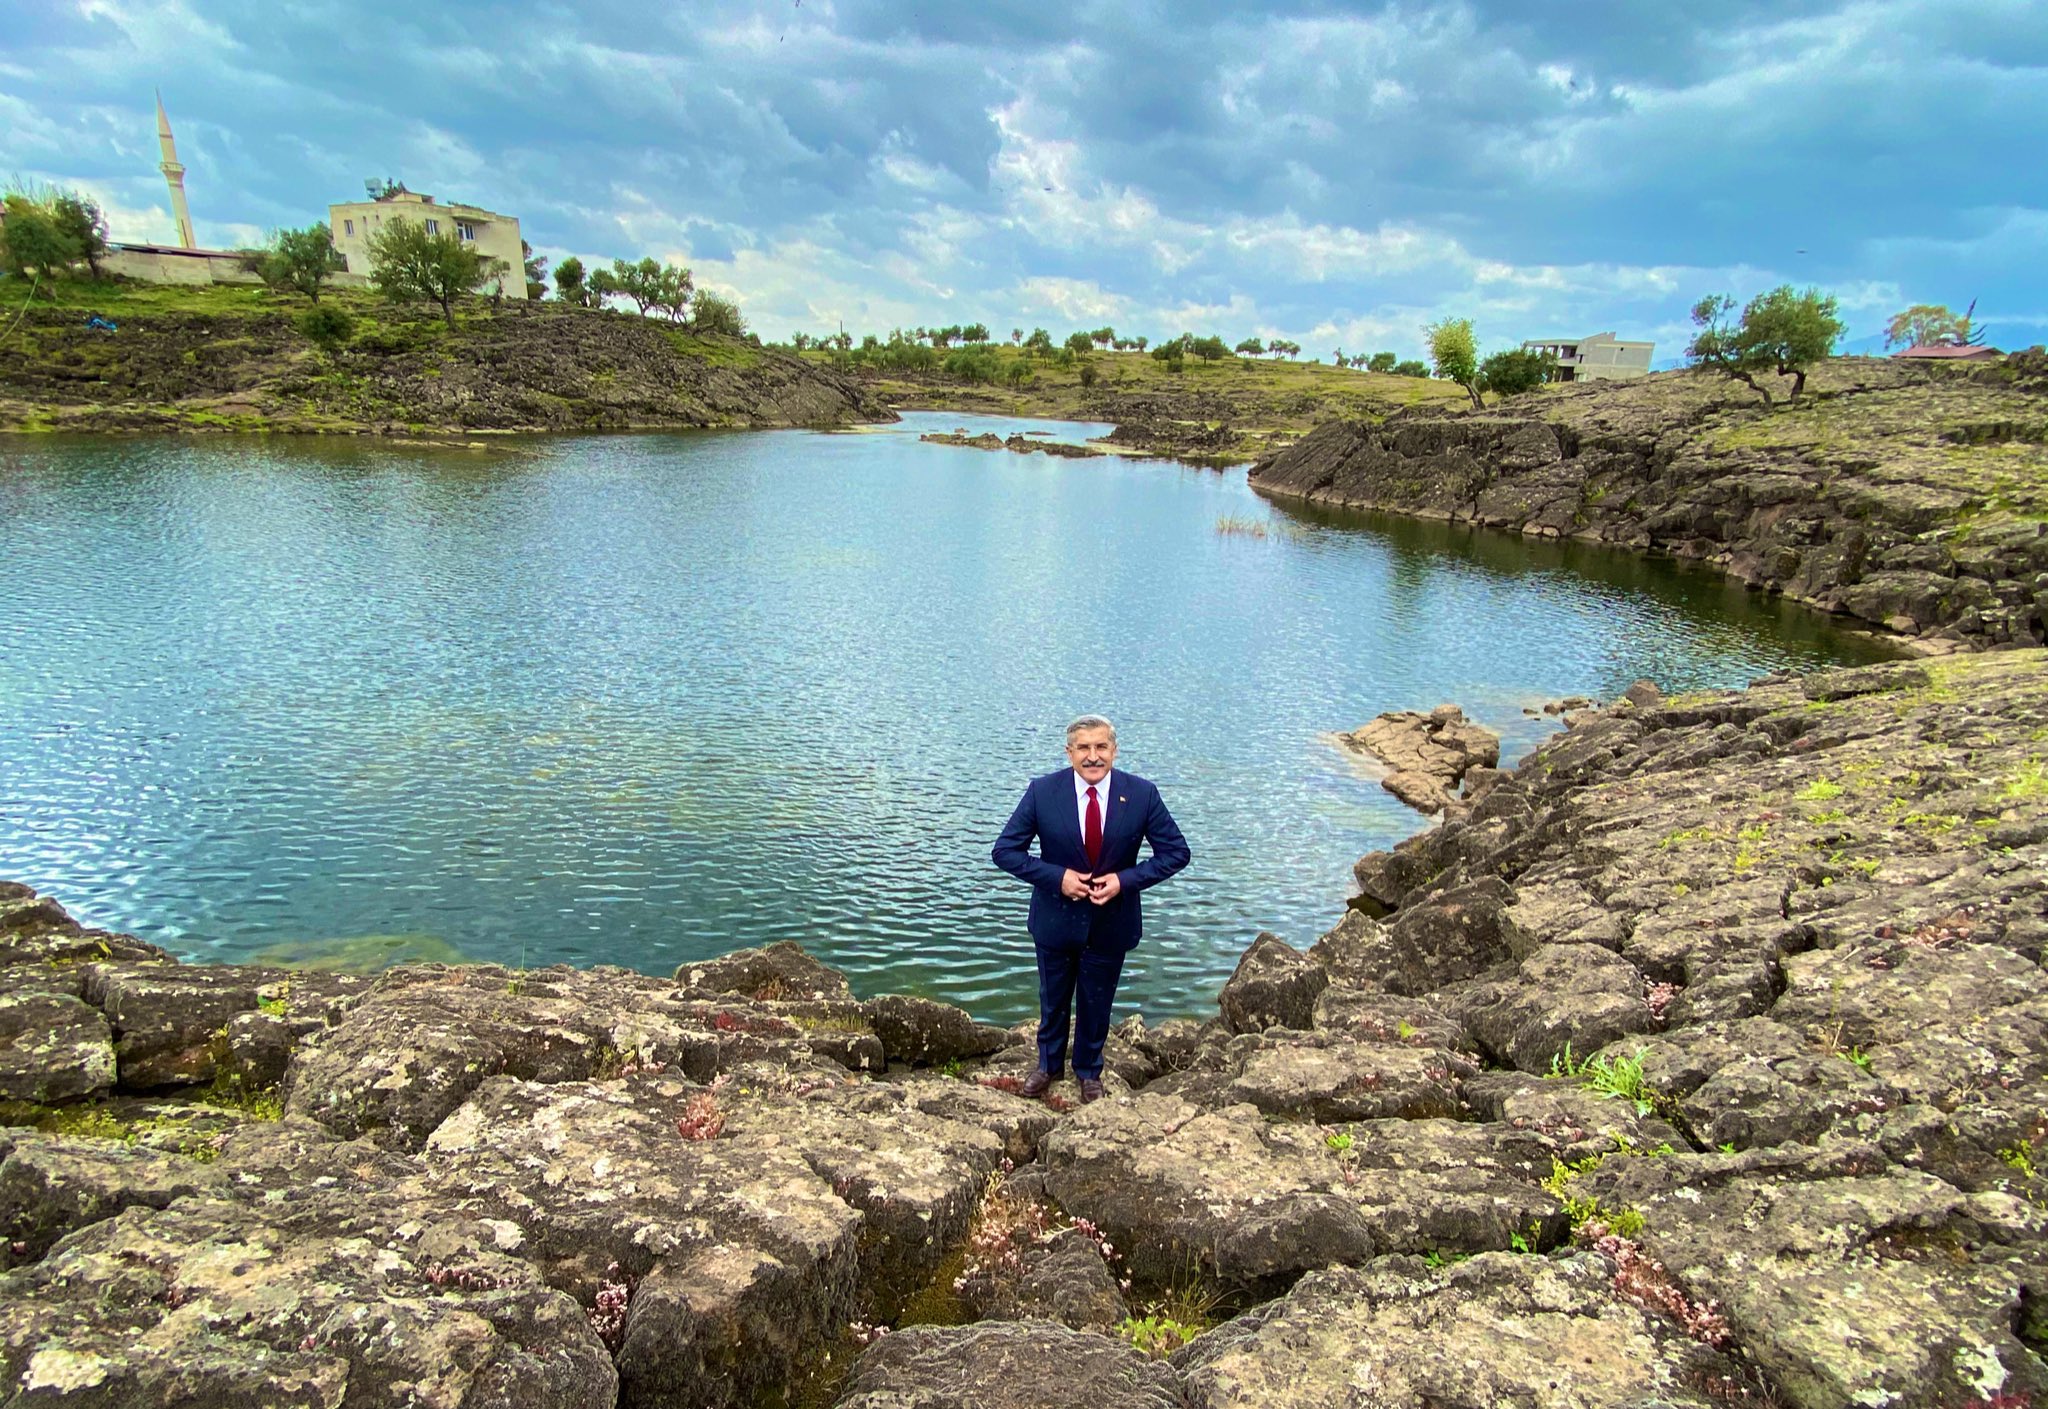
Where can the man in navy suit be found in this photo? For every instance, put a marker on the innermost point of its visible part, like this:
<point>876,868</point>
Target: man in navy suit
<point>1085,882</point>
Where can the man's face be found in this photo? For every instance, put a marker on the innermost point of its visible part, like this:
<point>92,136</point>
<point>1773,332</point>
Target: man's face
<point>1091,751</point>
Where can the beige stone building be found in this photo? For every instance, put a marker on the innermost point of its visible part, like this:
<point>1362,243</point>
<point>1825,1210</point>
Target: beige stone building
<point>485,231</point>
<point>1593,358</point>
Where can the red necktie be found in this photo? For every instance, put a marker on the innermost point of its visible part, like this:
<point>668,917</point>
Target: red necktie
<point>1091,838</point>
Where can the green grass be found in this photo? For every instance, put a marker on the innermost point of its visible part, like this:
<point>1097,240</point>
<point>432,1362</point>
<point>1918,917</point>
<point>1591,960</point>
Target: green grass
<point>2028,783</point>
<point>1820,790</point>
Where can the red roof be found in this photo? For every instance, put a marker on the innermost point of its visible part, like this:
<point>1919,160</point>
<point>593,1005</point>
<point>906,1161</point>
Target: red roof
<point>1949,351</point>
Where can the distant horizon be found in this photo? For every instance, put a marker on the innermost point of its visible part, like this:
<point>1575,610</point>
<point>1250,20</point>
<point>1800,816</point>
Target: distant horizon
<point>1335,177</point>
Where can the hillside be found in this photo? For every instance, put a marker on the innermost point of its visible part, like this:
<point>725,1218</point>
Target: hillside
<point>230,358</point>
<point>1914,497</point>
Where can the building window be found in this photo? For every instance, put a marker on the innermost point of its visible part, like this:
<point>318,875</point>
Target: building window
<point>348,227</point>
<point>433,227</point>
<point>466,230</point>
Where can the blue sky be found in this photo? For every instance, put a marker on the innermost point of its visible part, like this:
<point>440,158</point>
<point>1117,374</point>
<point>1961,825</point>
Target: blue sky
<point>1333,174</point>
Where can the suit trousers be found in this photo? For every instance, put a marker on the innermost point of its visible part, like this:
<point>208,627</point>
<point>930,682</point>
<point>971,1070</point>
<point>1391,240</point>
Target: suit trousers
<point>1067,974</point>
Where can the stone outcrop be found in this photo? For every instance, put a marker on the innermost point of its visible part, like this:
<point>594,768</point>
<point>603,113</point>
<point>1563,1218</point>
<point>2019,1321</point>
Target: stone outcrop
<point>528,367</point>
<point>1703,1060</point>
<point>1909,497</point>
<point>1018,444</point>
<point>1427,755</point>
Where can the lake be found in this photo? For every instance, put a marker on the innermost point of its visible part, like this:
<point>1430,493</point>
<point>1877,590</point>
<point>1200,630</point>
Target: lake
<point>640,700</point>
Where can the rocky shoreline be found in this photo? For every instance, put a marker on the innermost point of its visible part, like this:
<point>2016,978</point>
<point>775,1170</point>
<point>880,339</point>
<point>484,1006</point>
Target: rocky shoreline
<point>1702,1060</point>
<point>1912,498</point>
<point>526,367</point>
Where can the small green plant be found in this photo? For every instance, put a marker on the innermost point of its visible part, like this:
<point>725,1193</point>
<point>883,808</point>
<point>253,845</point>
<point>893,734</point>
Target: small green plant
<point>1856,1057</point>
<point>953,1070</point>
<point>2021,1158</point>
<point>1864,865</point>
<point>1155,1336</point>
<point>1820,790</point>
<point>1755,832</point>
<point>1340,1142</point>
<point>1829,814</point>
<point>1685,835</point>
<point>1726,1147</point>
<point>1436,1258</point>
<point>1404,1029</point>
<point>1618,1076</point>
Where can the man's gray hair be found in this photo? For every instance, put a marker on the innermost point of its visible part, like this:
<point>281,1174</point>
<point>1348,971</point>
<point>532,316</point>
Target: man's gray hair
<point>1090,721</point>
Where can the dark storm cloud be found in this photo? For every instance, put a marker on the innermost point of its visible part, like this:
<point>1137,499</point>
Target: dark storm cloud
<point>1340,171</point>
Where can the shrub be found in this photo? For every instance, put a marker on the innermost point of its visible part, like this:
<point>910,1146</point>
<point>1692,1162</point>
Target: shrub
<point>1518,370</point>
<point>326,326</point>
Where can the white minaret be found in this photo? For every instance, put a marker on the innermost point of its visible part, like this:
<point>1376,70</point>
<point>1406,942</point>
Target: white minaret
<point>174,174</point>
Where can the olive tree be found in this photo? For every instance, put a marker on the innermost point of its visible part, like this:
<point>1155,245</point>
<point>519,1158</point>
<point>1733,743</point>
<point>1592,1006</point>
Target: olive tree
<point>1783,331</point>
<point>1928,325</point>
<point>407,262</point>
<point>300,260</point>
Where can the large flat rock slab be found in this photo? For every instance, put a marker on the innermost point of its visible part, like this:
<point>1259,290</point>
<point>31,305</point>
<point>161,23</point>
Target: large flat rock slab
<point>1546,1333</point>
<point>1007,1365</point>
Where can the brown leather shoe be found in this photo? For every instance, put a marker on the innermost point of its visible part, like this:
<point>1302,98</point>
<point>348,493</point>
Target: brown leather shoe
<point>1037,1084</point>
<point>1091,1089</point>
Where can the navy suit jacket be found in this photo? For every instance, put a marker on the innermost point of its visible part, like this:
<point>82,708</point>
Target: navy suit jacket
<point>1048,812</point>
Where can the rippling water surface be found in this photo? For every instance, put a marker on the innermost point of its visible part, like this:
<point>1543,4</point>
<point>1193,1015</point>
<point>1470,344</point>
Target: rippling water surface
<point>641,700</point>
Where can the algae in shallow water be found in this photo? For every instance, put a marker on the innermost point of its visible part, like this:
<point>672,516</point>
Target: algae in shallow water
<point>361,953</point>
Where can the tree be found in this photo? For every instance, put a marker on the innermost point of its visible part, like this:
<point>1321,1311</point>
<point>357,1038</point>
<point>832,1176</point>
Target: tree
<point>31,240</point>
<point>1782,331</point>
<point>974,332</point>
<point>78,219</point>
<point>715,314</point>
<point>601,285</point>
<point>1380,362</point>
<point>536,271</point>
<point>408,263</point>
<point>1016,336</point>
<point>1139,342</point>
<point>1103,336</point>
<point>1515,371</point>
<point>297,259</point>
<point>569,287</point>
<point>1080,343</point>
<point>1410,368</point>
<point>1209,349</point>
<point>327,327</point>
<point>1039,344</point>
<point>1250,347</point>
<point>671,287</point>
<point>1928,325</point>
<point>1454,354</point>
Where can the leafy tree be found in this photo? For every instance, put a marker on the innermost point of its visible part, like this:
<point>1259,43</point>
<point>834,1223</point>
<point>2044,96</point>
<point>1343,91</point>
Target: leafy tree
<point>536,271</point>
<point>1017,371</point>
<point>1209,349</point>
<point>1380,362</point>
<point>1016,336</point>
<point>1928,325</point>
<point>973,364</point>
<point>1039,344</point>
<point>569,286</point>
<point>1088,373</point>
<point>1515,371</point>
<point>1139,342</point>
<point>716,314</point>
<point>32,240</point>
<point>1782,331</point>
<point>1172,352</point>
<point>297,259</point>
<point>672,287</point>
<point>1410,368</point>
<point>79,219</point>
<point>408,263</point>
<point>1454,354</point>
<point>1250,347</point>
<point>1080,343</point>
<point>974,332</point>
<point>1103,337</point>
